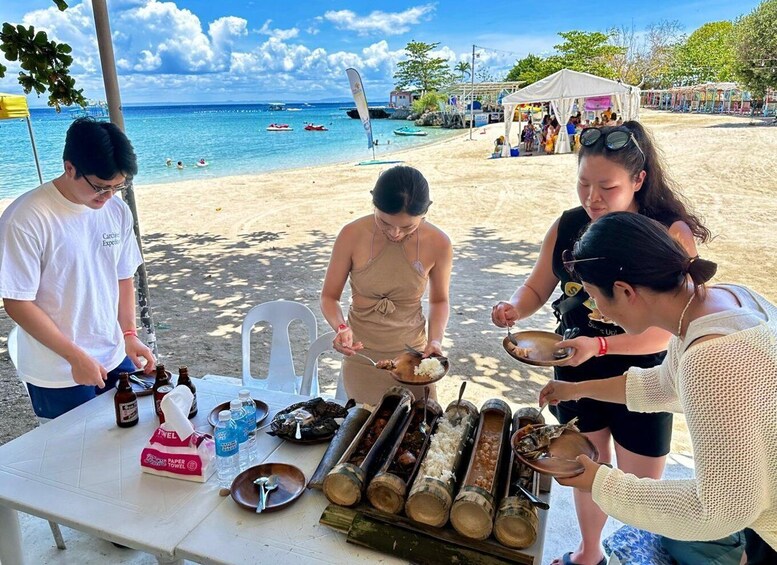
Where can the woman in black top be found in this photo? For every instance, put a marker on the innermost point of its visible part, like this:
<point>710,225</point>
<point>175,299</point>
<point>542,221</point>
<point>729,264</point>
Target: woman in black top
<point>619,170</point>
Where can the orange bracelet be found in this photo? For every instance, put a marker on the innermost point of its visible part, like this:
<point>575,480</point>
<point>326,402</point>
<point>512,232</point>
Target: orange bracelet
<point>133,332</point>
<point>602,346</point>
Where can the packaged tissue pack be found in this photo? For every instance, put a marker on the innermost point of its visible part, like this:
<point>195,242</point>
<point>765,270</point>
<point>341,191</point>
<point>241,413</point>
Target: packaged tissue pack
<point>175,449</point>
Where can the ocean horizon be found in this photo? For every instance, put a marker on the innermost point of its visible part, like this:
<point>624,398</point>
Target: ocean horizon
<point>232,138</point>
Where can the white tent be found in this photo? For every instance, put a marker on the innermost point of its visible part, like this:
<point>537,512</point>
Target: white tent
<point>561,89</point>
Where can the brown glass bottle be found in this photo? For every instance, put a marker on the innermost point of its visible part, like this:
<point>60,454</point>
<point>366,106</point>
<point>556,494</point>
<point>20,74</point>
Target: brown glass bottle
<point>126,403</point>
<point>184,380</point>
<point>162,379</point>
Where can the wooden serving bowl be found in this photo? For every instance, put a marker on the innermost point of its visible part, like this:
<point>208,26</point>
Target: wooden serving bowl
<point>562,453</point>
<point>541,346</point>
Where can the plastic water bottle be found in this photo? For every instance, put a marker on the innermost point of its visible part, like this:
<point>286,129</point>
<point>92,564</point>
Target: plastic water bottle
<point>238,416</point>
<point>227,457</point>
<point>250,423</point>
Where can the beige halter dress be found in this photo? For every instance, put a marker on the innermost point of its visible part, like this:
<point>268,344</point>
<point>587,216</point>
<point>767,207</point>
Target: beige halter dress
<point>394,287</point>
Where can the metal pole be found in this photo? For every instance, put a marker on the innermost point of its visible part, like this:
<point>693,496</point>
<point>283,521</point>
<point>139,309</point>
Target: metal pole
<point>113,96</point>
<point>472,96</point>
<point>34,149</point>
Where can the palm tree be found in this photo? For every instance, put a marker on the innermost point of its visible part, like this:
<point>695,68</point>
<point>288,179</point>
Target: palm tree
<point>462,67</point>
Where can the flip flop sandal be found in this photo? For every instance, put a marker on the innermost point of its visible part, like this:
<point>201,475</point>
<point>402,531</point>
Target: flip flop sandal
<point>566,559</point>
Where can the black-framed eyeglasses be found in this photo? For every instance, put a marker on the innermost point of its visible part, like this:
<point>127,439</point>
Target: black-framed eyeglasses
<point>614,140</point>
<point>103,189</point>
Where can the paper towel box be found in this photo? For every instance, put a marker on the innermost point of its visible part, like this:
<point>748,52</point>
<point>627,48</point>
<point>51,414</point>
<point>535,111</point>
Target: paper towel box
<point>175,449</point>
<point>191,459</point>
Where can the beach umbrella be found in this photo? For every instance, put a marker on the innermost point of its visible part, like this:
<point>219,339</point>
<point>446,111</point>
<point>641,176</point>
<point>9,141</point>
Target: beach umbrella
<point>14,106</point>
<point>113,97</point>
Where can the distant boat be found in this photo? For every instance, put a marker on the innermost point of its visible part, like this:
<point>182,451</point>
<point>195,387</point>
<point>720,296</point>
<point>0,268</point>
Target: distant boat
<point>409,131</point>
<point>279,127</point>
<point>276,106</point>
<point>314,127</point>
<point>293,109</point>
<point>96,109</point>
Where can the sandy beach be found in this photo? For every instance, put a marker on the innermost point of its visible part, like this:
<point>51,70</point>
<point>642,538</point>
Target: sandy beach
<point>214,250</point>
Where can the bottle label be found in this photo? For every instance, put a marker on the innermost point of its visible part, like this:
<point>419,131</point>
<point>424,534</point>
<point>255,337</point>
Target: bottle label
<point>227,448</point>
<point>193,409</point>
<point>128,411</point>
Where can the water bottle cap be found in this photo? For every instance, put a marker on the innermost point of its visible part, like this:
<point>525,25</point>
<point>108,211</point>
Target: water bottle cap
<point>244,393</point>
<point>225,415</point>
<point>235,404</point>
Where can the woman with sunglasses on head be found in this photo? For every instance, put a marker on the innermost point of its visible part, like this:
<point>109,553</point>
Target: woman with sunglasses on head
<point>390,257</point>
<point>720,371</point>
<point>619,170</point>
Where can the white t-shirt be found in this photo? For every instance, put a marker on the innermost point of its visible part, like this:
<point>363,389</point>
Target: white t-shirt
<point>67,259</point>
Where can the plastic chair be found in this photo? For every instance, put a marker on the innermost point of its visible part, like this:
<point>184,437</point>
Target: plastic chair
<point>13,353</point>
<point>279,314</point>
<point>310,385</point>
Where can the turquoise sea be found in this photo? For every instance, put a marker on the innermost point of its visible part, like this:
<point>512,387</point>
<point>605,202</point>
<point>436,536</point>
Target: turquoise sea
<point>231,138</point>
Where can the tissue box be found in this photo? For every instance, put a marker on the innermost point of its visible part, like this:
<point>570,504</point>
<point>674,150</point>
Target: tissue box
<point>190,459</point>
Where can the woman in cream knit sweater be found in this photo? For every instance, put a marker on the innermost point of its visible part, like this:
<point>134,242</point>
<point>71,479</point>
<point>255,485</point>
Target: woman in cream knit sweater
<point>720,371</point>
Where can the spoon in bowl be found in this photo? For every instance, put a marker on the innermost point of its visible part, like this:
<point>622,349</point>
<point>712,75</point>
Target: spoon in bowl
<point>270,485</point>
<point>424,427</point>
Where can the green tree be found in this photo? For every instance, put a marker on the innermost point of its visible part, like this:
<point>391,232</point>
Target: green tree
<point>429,101</point>
<point>533,68</point>
<point>464,69</point>
<point>707,55</point>
<point>421,69</point>
<point>588,52</point>
<point>45,63</point>
<point>755,48</point>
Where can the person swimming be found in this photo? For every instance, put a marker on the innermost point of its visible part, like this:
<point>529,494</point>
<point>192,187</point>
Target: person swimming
<point>202,163</point>
<point>180,164</point>
<point>169,162</point>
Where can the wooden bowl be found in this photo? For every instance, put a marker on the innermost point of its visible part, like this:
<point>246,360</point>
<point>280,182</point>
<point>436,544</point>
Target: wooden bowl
<point>562,452</point>
<point>540,345</point>
<point>291,484</point>
<point>405,369</point>
<point>261,412</point>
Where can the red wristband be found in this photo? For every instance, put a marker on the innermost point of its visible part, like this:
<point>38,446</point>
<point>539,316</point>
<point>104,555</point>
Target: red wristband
<point>342,328</point>
<point>602,346</point>
<point>130,332</point>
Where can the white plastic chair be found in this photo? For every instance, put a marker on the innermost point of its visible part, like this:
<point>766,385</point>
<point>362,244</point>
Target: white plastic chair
<point>310,384</point>
<point>13,353</point>
<point>279,314</point>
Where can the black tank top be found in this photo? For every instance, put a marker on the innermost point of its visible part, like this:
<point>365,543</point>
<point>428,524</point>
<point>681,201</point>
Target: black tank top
<point>579,315</point>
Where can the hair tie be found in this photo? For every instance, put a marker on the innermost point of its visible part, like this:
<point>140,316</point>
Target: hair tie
<point>690,262</point>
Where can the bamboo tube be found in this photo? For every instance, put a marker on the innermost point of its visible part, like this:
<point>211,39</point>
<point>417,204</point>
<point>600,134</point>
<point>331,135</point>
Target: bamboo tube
<point>345,483</point>
<point>343,438</point>
<point>431,495</point>
<point>472,513</point>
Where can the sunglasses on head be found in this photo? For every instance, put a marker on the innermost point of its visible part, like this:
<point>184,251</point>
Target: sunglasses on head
<point>614,140</point>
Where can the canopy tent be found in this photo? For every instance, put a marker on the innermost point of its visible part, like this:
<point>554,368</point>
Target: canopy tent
<point>14,106</point>
<point>562,89</point>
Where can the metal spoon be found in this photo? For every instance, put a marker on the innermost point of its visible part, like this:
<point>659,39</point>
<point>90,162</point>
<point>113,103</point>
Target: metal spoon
<point>373,363</point>
<point>569,333</point>
<point>511,338</point>
<point>141,382</point>
<point>261,482</point>
<point>536,501</point>
<point>424,427</point>
<point>461,393</point>
<point>298,418</point>
<point>270,485</point>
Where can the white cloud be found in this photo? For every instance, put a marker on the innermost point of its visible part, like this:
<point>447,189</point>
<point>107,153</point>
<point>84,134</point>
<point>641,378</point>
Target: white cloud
<point>282,34</point>
<point>378,22</point>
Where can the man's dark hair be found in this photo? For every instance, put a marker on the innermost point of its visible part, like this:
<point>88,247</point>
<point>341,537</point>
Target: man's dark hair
<point>100,149</point>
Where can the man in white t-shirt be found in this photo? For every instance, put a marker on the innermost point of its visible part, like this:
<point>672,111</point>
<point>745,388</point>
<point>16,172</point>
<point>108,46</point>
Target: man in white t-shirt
<point>68,256</point>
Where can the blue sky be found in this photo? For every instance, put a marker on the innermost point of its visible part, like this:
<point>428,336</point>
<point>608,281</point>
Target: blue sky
<point>266,50</point>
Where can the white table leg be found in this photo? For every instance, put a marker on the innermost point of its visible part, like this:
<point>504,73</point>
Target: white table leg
<point>10,537</point>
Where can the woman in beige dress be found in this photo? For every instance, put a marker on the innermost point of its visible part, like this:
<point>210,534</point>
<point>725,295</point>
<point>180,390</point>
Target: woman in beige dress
<point>390,257</point>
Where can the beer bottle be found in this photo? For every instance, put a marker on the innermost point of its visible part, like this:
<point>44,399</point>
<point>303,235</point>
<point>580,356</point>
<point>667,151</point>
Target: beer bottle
<point>162,379</point>
<point>184,380</point>
<point>126,403</point>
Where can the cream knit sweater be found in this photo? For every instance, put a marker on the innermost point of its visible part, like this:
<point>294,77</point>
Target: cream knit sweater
<point>727,388</point>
